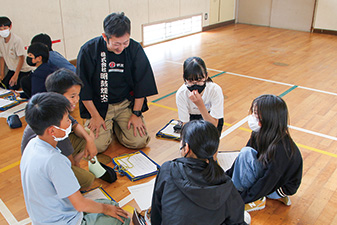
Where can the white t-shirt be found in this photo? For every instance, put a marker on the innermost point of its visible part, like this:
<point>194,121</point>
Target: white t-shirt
<point>11,51</point>
<point>212,97</point>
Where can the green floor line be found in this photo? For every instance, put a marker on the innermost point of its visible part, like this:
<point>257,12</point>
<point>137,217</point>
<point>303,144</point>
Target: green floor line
<point>172,93</point>
<point>287,91</point>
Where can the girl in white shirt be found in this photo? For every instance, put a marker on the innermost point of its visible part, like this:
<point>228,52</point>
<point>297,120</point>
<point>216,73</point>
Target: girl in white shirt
<point>199,97</point>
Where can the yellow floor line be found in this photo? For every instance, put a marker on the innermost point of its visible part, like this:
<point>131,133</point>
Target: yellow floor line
<point>248,130</point>
<point>9,166</point>
<point>226,124</point>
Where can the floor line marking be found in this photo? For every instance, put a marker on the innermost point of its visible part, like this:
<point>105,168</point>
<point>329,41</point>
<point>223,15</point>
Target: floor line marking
<point>234,127</point>
<point>7,214</point>
<point>271,81</point>
<point>287,91</point>
<point>317,150</point>
<point>125,200</point>
<point>261,79</point>
<point>10,166</point>
<point>168,95</point>
<point>317,90</point>
<point>25,221</point>
<point>313,132</point>
<point>163,106</point>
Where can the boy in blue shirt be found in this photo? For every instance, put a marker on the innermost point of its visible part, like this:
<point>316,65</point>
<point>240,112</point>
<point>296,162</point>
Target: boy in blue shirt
<point>50,187</point>
<point>55,58</point>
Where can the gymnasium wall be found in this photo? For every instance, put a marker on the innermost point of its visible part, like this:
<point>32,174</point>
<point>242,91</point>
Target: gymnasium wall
<point>325,16</point>
<point>76,21</point>
<point>289,14</point>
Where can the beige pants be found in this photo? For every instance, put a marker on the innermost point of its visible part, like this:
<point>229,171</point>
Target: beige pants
<point>116,120</point>
<point>84,177</point>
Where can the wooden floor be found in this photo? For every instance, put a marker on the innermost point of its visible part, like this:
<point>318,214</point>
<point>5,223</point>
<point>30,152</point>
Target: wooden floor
<point>246,61</point>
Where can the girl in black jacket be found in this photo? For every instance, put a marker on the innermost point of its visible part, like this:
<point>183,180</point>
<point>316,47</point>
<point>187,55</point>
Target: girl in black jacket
<point>194,189</point>
<point>271,164</point>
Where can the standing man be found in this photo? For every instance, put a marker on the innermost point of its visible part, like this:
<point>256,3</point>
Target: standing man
<point>117,78</point>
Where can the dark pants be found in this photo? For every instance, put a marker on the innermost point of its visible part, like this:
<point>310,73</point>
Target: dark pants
<point>8,77</point>
<point>26,84</point>
<point>199,117</point>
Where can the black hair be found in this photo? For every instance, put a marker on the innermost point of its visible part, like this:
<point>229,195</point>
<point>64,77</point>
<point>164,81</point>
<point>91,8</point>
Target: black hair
<point>273,116</point>
<point>39,49</point>
<point>194,69</point>
<point>44,110</point>
<point>116,24</point>
<point>5,21</point>
<point>61,80</point>
<point>44,39</point>
<point>203,140</point>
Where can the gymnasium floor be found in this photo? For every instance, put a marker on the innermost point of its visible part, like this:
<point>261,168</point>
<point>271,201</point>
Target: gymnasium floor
<point>246,61</point>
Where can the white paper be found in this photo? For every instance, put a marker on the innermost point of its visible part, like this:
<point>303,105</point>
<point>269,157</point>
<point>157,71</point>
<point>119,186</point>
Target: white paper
<point>96,194</point>
<point>138,164</point>
<point>226,159</point>
<point>19,110</point>
<point>142,194</point>
<point>4,91</point>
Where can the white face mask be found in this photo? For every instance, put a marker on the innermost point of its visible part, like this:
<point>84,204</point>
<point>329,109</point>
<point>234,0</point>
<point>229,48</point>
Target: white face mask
<point>4,33</point>
<point>253,123</point>
<point>68,130</point>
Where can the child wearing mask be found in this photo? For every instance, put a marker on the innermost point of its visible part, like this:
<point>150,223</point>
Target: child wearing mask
<point>38,55</point>
<point>194,189</point>
<point>271,163</point>
<point>199,98</point>
<point>12,53</point>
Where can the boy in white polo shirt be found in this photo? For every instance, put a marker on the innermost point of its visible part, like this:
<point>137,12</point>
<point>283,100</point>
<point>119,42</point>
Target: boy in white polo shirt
<point>13,54</point>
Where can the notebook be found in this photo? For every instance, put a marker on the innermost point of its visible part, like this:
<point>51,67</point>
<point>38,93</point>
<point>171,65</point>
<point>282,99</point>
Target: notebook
<point>6,103</point>
<point>135,165</point>
<point>4,92</point>
<point>97,193</point>
<point>168,132</point>
<point>227,158</point>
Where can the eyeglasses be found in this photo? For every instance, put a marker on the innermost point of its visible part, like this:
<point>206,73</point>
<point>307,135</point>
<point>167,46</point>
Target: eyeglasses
<point>195,82</point>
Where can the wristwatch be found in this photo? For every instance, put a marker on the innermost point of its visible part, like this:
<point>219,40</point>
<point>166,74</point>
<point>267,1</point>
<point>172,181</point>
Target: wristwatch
<point>137,113</point>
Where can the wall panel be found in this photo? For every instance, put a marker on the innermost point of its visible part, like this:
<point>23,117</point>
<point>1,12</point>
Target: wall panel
<point>254,12</point>
<point>138,13</point>
<point>33,17</point>
<point>191,7</point>
<point>326,17</point>
<point>82,20</point>
<point>290,14</point>
<point>163,10</point>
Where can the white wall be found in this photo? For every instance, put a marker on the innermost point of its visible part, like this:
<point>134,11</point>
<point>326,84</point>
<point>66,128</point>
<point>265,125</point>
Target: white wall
<point>76,21</point>
<point>326,16</point>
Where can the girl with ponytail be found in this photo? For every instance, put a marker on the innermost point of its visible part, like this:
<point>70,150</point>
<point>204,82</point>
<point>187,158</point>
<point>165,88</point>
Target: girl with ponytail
<point>194,189</point>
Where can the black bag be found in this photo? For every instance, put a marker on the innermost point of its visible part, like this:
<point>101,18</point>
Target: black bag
<point>14,121</point>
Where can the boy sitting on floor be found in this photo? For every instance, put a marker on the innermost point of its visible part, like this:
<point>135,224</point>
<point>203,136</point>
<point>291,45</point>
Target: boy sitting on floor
<point>50,188</point>
<point>38,55</point>
<point>79,144</point>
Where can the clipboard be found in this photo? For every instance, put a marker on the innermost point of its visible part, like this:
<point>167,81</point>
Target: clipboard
<point>226,158</point>
<point>168,132</point>
<point>4,92</point>
<point>7,103</point>
<point>97,193</point>
<point>135,165</point>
